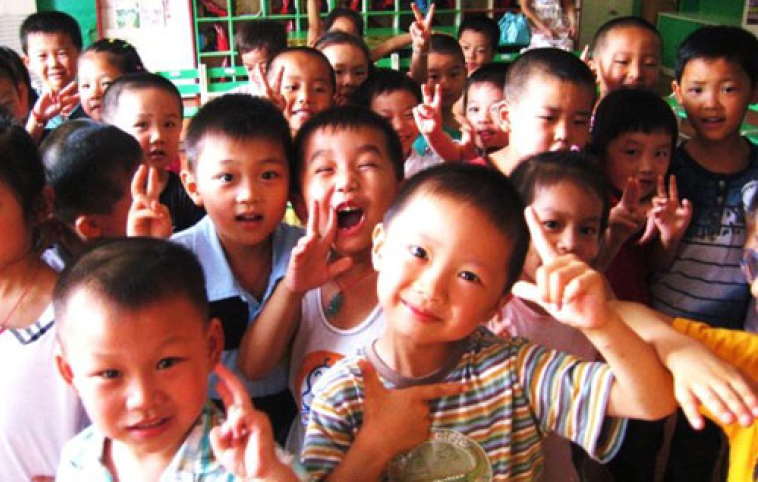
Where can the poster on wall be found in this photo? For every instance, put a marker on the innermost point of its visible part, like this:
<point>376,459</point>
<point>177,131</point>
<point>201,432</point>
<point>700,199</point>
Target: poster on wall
<point>750,19</point>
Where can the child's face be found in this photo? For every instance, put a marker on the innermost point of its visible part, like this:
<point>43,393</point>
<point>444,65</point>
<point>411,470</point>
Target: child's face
<point>447,71</point>
<point>639,155</point>
<point>154,117</point>
<point>306,87</point>
<point>142,375</point>
<point>397,108</point>
<point>631,57</point>
<point>350,67</point>
<point>477,49</point>
<point>344,24</point>
<point>442,270</point>
<point>254,58</point>
<point>481,98</point>
<point>243,186</point>
<point>11,99</point>
<point>350,171</point>
<point>96,73</point>
<point>53,58</point>
<point>17,239</point>
<point>715,93</point>
<point>571,217</point>
<point>549,115</point>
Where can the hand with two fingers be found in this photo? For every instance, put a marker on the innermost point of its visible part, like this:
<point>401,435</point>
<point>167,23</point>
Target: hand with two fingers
<point>421,28</point>
<point>271,91</point>
<point>428,115</point>
<point>147,216</point>
<point>670,215</point>
<point>628,216</point>
<point>51,104</point>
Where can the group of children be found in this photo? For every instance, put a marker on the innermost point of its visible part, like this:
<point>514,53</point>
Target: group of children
<point>468,296</point>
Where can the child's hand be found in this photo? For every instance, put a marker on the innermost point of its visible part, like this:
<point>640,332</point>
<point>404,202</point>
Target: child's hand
<point>244,443</point>
<point>628,216</point>
<point>51,104</point>
<point>428,115</point>
<point>147,216</point>
<point>671,217</point>
<point>270,91</point>
<point>571,291</point>
<point>309,265</point>
<point>468,139</point>
<point>421,29</point>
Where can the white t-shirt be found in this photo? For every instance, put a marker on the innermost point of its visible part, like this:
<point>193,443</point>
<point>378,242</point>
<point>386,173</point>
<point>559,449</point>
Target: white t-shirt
<point>39,412</point>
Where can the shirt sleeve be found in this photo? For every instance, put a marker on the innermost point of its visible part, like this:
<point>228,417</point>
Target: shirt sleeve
<point>570,398</point>
<point>739,348</point>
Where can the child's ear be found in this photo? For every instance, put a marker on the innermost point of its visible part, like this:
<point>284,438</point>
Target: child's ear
<point>190,185</point>
<point>501,116</point>
<point>500,305</point>
<point>677,90</point>
<point>87,227</point>
<point>377,238</point>
<point>215,341</point>
<point>63,367</point>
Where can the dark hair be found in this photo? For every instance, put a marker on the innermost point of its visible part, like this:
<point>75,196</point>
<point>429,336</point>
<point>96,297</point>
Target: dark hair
<point>239,117</point>
<point>133,82</point>
<point>443,44</point>
<point>89,166</point>
<point>260,34</point>
<point>50,22</point>
<point>602,34</point>
<point>631,110</point>
<point>347,118</point>
<point>484,189</point>
<point>22,74</point>
<point>720,42</point>
<point>341,12</point>
<point>385,81</point>
<point>550,168</point>
<point>315,53</point>
<point>483,24</point>
<point>550,62</point>
<point>20,165</point>
<point>342,38</point>
<point>493,73</point>
<point>133,273</point>
<point>9,73</point>
<point>120,53</point>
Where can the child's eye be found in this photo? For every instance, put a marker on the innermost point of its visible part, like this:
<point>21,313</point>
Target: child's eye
<point>339,72</point>
<point>367,165</point>
<point>289,87</point>
<point>547,118</point>
<point>269,175</point>
<point>631,152</point>
<point>167,363</point>
<point>695,90</point>
<point>582,121</point>
<point>550,225</point>
<point>662,153</point>
<point>417,252</point>
<point>622,62</point>
<point>589,231</point>
<point>84,86</point>
<point>106,84</point>
<point>323,170</point>
<point>469,276</point>
<point>473,110</point>
<point>170,124</point>
<point>729,89</point>
<point>109,374</point>
<point>140,125</point>
<point>225,177</point>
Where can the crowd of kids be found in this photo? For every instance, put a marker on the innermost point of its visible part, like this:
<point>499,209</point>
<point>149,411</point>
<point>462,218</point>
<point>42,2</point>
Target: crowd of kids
<point>493,271</point>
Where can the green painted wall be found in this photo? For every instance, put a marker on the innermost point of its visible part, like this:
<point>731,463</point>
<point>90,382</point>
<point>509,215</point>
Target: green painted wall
<point>84,11</point>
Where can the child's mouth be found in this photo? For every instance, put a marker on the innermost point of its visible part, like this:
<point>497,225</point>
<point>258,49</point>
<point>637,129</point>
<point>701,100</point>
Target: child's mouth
<point>349,218</point>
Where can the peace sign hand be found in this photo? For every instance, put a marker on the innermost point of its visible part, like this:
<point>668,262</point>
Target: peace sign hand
<point>571,291</point>
<point>428,115</point>
<point>670,216</point>
<point>421,28</point>
<point>147,216</point>
<point>244,443</point>
<point>270,91</point>
<point>628,216</point>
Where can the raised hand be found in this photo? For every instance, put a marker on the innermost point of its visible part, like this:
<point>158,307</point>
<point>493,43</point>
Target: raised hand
<point>51,104</point>
<point>421,28</point>
<point>671,217</point>
<point>147,216</point>
<point>309,265</point>
<point>244,443</point>
<point>469,139</point>
<point>428,115</point>
<point>571,291</point>
<point>628,216</point>
<point>265,89</point>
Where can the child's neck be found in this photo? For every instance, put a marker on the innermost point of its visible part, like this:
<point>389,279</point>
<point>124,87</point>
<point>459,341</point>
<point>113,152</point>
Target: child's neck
<point>354,291</point>
<point>411,359</point>
<point>725,157</point>
<point>251,266</point>
<point>26,287</point>
<point>506,160</point>
<point>125,464</point>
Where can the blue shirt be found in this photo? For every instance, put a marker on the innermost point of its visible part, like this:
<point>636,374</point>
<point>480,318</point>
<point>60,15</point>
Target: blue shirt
<point>235,307</point>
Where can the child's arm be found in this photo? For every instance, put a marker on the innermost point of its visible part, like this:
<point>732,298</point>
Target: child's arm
<point>314,21</point>
<point>49,105</point>
<point>428,118</point>
<point>569,7</point>
<point>625,219</point>
<point>147,216</point>
<point>671,219</point>
<point>390,45</point>
<point>574,294</point>
<point>266,340</point>
<point>421,32</point>
<point>244,443</point>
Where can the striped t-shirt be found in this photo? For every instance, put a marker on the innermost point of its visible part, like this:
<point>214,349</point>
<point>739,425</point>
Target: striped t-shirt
<point>516,392</point>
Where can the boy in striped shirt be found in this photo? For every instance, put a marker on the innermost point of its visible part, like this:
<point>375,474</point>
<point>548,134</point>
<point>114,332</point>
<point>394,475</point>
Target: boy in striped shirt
<point>447,254</point>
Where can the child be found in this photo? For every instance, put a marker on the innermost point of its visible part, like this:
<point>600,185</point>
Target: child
<point>349,165</point>
<point>258,41</point>
<point>15,61</point>
<point>12,92</point>
<point>99,65</point>
<point>38,409</point>
<point>89,167</point>
<point>149,107</point>
<point>302,84</point>
<point>51,42</point>
<point>716,79</point>
<point>549,96</point>
<point>553,23</point>
<point>137,344</point>
<point>350,59</point>
<point>626,52</point>
<point>447,254</point>
<point>479,36</point>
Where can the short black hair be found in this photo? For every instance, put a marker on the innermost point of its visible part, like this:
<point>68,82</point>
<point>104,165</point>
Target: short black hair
<point>385,81</point>
<point>89,166</point>
<point>315,53</point>
<point>239,117</point>
<point>20,165</point>
<point>260,34</point>
<point>22,73</point>
<point>631,110</point>
<point>551,62</point>
<point>347,118</point>
<point>341,12</point>
<point>443,44</point>
<point>133,273</point>
<point>602,34</point>
<point>50,22</point>
<point>340,38</point>
<point>134,82</point>
<point>492,73</point>
<point>483,24</point>
<point>481,188</point>
<point>547,169</point>
<point>9,73</point>
<point>120,53</point>
<point>720,42</point>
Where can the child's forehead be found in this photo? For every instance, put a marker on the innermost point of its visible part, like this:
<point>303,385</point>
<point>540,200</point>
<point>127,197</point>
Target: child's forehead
<point>539,85</point>
<point>49,40</point>
<point>630,38</point>
<point>444,60</point>
<point>148,99</point>
<point>490,89</point>
<point>304,63</point>
<point>219,148</point>
<point>472,35</point>
<point>400,98</point>
<point>709,68</point>
<point>344,139</point>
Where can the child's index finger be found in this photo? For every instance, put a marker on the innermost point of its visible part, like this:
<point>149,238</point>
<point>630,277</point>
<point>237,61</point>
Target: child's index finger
<point>630,198</point>
<point>417,13</point>
<point>311,227</point>
<point>661,184</point>
<point>673,189</point>
<point>153,184</point>
<point>139,180</point>
<point>429,16</point>
<point>437,98</point>
<point>232,391</point>
<point>544,248</point>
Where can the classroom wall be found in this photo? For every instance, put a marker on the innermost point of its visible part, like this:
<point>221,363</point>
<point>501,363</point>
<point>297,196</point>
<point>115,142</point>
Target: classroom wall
<point>84,11</point>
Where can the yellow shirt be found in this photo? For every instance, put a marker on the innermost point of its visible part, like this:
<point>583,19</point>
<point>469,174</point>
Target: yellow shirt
<point>740,349</point>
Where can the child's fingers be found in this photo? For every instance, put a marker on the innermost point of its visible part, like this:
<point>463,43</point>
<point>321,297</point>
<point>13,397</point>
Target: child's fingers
<point>426,91</point>
<point>232,391</point>
<point>661,190</point>
<point>585,56</point>
<point>437,98</point>
<point>434,391</point>
<point>689,407</point>
<point>340,266</point>
<point>139,180</point>
<point>429,17</point>
<point>331,226</point>
<point>630,198</point>
<point>313,219</point>
<point>417,13</point>
<point>673,189</point>
<point>153,184</point>
<point>651,229</point>
<point>559,279</point>
<point>544,248</point>
<point>526,291</point>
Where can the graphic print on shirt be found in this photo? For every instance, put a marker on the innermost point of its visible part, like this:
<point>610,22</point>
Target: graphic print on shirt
<point>314,365</point>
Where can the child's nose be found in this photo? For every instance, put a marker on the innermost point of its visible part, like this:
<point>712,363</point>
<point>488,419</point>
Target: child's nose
<point>143,392</point>
<point>568,242</point>
<point>430,285</point>
<point>246,191</point>
<point>346,180</point>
